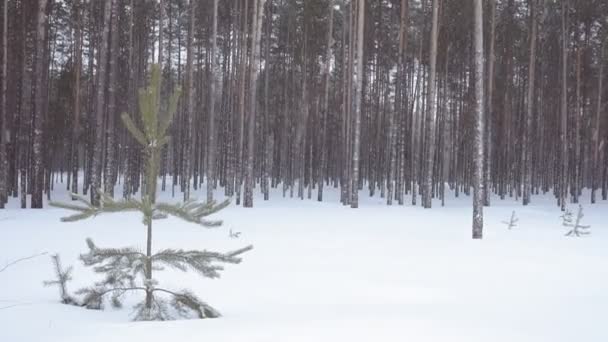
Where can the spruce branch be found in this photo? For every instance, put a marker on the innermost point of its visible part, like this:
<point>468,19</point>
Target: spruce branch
<point>106,205</point>
<point>199,261</point>
<point>132,128</point>
<point>194,212</point>
<point>121,266</point>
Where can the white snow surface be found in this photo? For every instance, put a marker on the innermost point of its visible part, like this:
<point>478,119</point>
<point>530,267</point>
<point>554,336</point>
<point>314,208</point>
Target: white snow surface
<point>325,272</point>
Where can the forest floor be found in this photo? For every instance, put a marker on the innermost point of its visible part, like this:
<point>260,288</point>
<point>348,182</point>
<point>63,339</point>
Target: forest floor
<point>324,272</point>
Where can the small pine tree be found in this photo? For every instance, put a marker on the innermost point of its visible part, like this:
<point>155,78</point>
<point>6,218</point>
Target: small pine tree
<point>512,223</point>
<point>576,228</point>
<point>129,269</point>
<point>63,277</point>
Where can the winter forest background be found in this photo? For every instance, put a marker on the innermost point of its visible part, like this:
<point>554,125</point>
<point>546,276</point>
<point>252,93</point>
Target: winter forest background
<point>307,94</point>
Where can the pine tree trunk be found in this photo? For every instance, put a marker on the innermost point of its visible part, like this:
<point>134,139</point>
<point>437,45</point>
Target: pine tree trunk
<point>432,112</point>
<point>37,148</point>
<point>3,108</point>
<point>212,93</point>
<point>490,107</point>
<point>99,104</point>
<point>354,203</point>
<point>111,163</point>
<point>527,134</point>
<point>563,188</point>
<point>188,148</point>
<point>595,171</point>
<point>325,113</point>
<point>578,111</point>
<point>478,153</point>
<point>76,97</point>
<point>257,33</point>
<point>399,107</point>
<point>240,164</point>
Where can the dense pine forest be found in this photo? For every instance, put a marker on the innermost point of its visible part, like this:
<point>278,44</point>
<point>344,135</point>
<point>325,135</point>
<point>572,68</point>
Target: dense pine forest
<point>403,99</point>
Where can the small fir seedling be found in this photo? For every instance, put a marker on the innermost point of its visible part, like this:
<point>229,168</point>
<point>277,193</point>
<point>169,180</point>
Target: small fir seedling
<point>512,223</point>
<point>234,235</point>
<point>131,269</point>
<point>576,228</point>
<point>63,276</point>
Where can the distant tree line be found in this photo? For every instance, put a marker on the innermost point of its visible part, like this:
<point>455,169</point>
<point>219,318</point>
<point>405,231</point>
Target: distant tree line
<point>385,96</point>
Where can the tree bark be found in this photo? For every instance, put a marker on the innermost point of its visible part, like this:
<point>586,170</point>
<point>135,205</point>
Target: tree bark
<point>526,148</point>
<point>3,115</point>
<point>354,203</point>
<point>255,69</point>
<point>37,148</point>
<point>563,189</point>
<point>478,153</point>
<point>595,171</point>
<point>111,163</point>
<point>99,104</point>
<point>432,111</point>
<point>212,96</point>
<point>188,148</point>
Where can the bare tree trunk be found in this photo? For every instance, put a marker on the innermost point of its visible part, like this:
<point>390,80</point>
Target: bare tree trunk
<point>578,112</point>
<point>241,128</point>
<point>526,148</point>
<point>111,163</point>
<point>490,107</point>
<point>258,10</point>
<point>595,171</point>
<point>161,6</point>
<point>399,108</point>
<point>211,129</point>
<point>325,113</point>
<point>3,116</point>
<point>188,149</point>
<point>37,148</point>
<point>131,85</point>
<point>76,130</point>
<point>563,191</point>
<point>479,123</point>
<point>99,104</point>
<point>432,112</point>
<point>358,104</point>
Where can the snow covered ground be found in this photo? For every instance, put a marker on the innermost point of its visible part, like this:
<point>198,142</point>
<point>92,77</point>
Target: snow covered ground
<point>324,272</point>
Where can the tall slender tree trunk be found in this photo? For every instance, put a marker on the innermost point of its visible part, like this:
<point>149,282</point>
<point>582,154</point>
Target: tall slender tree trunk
<point>354,203</point>
<point>527,138</point>
<point>325,113</point>
<point>3,116</point>
<point>595,171</point>
<point>563,189</point>
<point>255,69</point>
<point>432,111</point>
<point>578,111</point>
<point>37,148</point>
<point>76,130</point>
<point>398,109</point>
<point>111,162</point>
<point>212,96</point>
<point>188,148</point>
<point>242,82</point>
<point>478,153</point>
<point>490,107</point>
<point>99,104</point>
